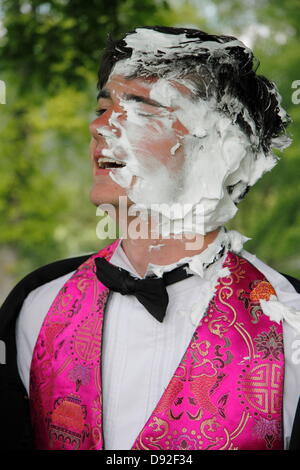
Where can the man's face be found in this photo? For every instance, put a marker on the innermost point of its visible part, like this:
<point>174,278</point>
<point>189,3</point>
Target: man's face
<point>136,131</point>
<point>171,147</point>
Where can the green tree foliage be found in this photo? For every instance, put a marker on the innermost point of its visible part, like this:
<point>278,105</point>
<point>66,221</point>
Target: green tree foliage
<point>56,42</point>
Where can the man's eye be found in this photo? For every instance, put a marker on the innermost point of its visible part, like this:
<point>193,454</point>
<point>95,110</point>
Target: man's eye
<point>146,114</point>
<point>99,112</point>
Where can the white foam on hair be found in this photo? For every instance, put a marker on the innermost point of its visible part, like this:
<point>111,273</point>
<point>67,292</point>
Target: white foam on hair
<point>148,46</point>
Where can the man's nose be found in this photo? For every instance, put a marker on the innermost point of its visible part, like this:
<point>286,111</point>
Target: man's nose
<point>97,123</point>
<point>108,122</point>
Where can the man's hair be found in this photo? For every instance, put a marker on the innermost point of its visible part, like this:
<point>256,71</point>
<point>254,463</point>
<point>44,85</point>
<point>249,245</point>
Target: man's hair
<point>232,80</point>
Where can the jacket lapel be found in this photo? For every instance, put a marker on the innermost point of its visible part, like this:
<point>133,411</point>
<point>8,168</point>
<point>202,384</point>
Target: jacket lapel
<point>295,437</point>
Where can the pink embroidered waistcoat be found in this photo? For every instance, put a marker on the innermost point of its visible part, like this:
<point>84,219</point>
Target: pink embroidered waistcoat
<point>226,393</point>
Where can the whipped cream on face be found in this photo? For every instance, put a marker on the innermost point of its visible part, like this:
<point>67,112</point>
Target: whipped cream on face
<point>220,161</point>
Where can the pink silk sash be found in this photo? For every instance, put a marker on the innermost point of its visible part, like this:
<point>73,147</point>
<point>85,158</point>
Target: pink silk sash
<point>226,393</point>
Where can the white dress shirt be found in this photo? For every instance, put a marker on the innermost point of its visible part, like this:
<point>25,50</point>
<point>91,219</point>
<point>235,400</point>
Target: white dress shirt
<point>140,355</point>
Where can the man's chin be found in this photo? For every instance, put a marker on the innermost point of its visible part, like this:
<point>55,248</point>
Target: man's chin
<point>107,197</point>
<point>97,200</point>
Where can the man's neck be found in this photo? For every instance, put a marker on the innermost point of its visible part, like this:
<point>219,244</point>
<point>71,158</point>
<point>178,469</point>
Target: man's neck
<point>164,251</point>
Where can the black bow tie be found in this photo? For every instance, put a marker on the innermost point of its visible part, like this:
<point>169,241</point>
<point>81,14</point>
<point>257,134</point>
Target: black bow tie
<point>150,292</point>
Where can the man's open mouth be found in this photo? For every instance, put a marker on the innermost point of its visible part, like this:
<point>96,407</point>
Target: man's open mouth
<point>105,162</point>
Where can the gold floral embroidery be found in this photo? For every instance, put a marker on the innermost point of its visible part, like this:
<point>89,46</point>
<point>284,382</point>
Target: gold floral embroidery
<point>262,291</point>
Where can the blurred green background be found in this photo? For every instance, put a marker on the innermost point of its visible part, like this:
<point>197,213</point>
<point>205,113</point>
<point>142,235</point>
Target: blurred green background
<point>49,55</point>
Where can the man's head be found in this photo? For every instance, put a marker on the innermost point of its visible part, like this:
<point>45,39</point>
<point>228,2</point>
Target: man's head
<point>211,121</point>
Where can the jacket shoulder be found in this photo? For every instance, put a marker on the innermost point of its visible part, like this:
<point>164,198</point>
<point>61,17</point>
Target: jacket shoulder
<point>31,281</point>
<point>295,282</point>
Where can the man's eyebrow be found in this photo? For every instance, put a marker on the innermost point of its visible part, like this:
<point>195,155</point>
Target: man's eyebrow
<point>104,93</point>
<point>142,99</point>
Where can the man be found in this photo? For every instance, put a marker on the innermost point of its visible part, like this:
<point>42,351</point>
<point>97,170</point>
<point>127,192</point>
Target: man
<point>190,344</point>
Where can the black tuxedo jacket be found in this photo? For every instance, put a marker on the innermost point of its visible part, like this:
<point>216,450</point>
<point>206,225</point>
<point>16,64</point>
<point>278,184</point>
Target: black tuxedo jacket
<point>15,426</point>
